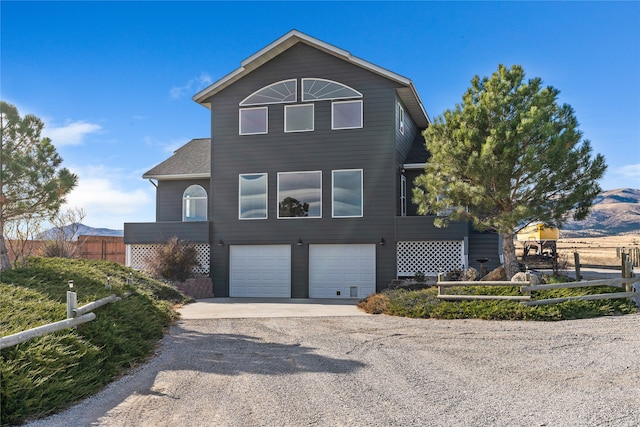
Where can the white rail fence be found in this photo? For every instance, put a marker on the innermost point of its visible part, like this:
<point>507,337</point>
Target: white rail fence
<point>75,316</point>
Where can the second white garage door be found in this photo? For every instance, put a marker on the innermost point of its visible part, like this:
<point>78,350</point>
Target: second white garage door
<point>342,271</point>
<point>260,271</point>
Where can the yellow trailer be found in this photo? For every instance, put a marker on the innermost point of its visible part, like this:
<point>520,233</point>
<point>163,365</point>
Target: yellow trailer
<point>538,233</point>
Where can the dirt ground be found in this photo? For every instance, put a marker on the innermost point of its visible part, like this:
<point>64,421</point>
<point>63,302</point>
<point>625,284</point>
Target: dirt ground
<point>379,370</point>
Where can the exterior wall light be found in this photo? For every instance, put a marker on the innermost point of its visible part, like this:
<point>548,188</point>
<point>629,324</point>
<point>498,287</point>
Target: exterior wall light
<point>299,242</point>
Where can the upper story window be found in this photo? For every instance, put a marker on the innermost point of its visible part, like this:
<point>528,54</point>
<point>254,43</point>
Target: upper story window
<point>300,194</point>
<point>253,196</point>
<point>253,121</point>
<point>275,93</point>
<point>322,89</point>
<point>400,119</point>
<point>298,118</point>
<point>194,204</point>
<point>346,114</point>
<point>347,193</point>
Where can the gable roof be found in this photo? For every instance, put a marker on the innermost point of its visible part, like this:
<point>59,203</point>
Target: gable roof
<point>407,92</point>
<point>191,161</point>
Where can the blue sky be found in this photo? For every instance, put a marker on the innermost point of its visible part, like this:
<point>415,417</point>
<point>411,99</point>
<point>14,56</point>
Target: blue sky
<point>113,81</point>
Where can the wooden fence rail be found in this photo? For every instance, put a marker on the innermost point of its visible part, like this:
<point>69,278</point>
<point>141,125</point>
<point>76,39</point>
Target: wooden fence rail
<point>444,284</point>
<point>75,316</point>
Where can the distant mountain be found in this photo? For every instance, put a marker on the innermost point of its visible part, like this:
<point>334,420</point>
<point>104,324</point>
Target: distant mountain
<point>613,212</point>
<point>81,230</point>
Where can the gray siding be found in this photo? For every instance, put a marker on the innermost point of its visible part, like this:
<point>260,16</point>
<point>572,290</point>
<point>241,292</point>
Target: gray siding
<point>483,245</point>
<point>169,198</point>
<point>160,232</point>
<point>370,148</point>
<point>422,228</point>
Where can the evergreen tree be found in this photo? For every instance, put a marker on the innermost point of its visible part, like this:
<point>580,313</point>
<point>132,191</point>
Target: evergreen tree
<point>31,181</point>
<point>508,156</point>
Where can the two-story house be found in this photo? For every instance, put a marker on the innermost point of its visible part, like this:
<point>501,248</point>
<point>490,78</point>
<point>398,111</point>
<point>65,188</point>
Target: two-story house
<point>304,188</point>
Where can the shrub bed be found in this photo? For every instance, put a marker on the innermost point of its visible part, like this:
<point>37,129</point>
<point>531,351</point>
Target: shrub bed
<point>49,373</point>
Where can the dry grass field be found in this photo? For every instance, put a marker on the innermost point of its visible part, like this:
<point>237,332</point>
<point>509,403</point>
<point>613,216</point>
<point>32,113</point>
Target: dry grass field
<point>596,250</point>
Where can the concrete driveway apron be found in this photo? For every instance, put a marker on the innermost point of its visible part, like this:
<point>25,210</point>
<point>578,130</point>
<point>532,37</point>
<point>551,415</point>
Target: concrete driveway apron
<point>238,308</point>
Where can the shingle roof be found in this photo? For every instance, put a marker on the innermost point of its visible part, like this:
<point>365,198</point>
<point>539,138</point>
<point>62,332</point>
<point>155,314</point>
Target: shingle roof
<point>192,160</point>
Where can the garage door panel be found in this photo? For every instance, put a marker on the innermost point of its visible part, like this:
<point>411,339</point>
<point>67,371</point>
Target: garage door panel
<point>337,268</point>
<point>260,271</point>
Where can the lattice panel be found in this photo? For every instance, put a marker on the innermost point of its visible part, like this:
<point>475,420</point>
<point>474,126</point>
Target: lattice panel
<point>138,254</point>
<point>429,257</point>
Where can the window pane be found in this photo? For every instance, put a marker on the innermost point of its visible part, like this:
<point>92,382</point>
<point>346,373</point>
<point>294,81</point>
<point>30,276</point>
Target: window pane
<point>319,89</point>
<point>279,92</point>
<point>194,204</point>
<point>253,120</point>
<point>347,193</point>
<point>300,194</point>
<point>253,196</point>
<point>346,115</point>
<point>298,118</point>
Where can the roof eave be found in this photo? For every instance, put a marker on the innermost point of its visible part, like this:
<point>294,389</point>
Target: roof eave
<point>177,176</point>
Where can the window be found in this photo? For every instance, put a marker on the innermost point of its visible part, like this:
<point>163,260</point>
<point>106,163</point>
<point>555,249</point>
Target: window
<point>346,115</point>
<point>403,195</point>
<point>253,196</point>
<point>321,89</point>
<point>298,118</point>
<point>300,194</point>
<point>401,119</point>
<point>347,193</point>
<point>194,204</point>
<point>253,121</point>
<point>275,93</point>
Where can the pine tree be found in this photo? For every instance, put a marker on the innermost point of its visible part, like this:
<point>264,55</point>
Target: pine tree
<point>508,156</point>
<point>31,181</point>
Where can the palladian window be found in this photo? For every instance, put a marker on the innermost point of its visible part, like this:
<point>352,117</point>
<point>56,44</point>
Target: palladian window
<point>194,204</point>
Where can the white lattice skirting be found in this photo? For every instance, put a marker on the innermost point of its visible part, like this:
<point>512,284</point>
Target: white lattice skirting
<point>138,254</point>
<point>429,257</point>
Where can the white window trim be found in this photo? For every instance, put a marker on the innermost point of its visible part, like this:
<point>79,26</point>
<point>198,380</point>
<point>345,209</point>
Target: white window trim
<point>278,196</point>
<point>401,119</point>
<point>243,102</point>
<point>359,94</point>
<point>403,195</point>
<point>266,206</point>
<point>348,102</point>
<point>206,202</point>
<point>333,215</point>
<point>313,115</point>
<point>266,109</point>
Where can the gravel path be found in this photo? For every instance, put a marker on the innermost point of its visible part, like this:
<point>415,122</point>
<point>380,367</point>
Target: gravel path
<point>379,371</point>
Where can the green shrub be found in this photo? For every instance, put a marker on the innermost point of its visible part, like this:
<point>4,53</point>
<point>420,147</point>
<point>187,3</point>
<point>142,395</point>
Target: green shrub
<point>49,373</point>
<point>425,304</point>
<point>173,261</point>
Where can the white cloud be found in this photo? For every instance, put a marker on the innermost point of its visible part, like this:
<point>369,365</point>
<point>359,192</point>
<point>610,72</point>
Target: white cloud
<point>193,85</point>
<point>110,198</point>
<point>628,171</point>
<point>73,133</point>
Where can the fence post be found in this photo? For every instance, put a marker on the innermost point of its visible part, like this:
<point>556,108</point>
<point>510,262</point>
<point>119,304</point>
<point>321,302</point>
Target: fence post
<point>576,260</point>
<point>627,271</point>
<point>440,279</point>
<point>72,301</point>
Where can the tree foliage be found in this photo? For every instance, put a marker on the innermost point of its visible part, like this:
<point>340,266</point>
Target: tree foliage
<point>32,183</point>
<point>507,156</point>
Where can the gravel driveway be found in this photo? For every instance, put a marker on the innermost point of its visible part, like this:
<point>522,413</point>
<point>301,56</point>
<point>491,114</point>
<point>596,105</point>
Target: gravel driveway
<point>379,371</point>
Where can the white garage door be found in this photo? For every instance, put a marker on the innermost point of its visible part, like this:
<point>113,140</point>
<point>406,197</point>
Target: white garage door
<point>260,271</point>
<point>342,271</point>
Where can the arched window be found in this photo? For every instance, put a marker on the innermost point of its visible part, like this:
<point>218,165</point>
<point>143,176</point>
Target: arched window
<point>323,89</point>
<point>275,93</point>
<point>194,204</point>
